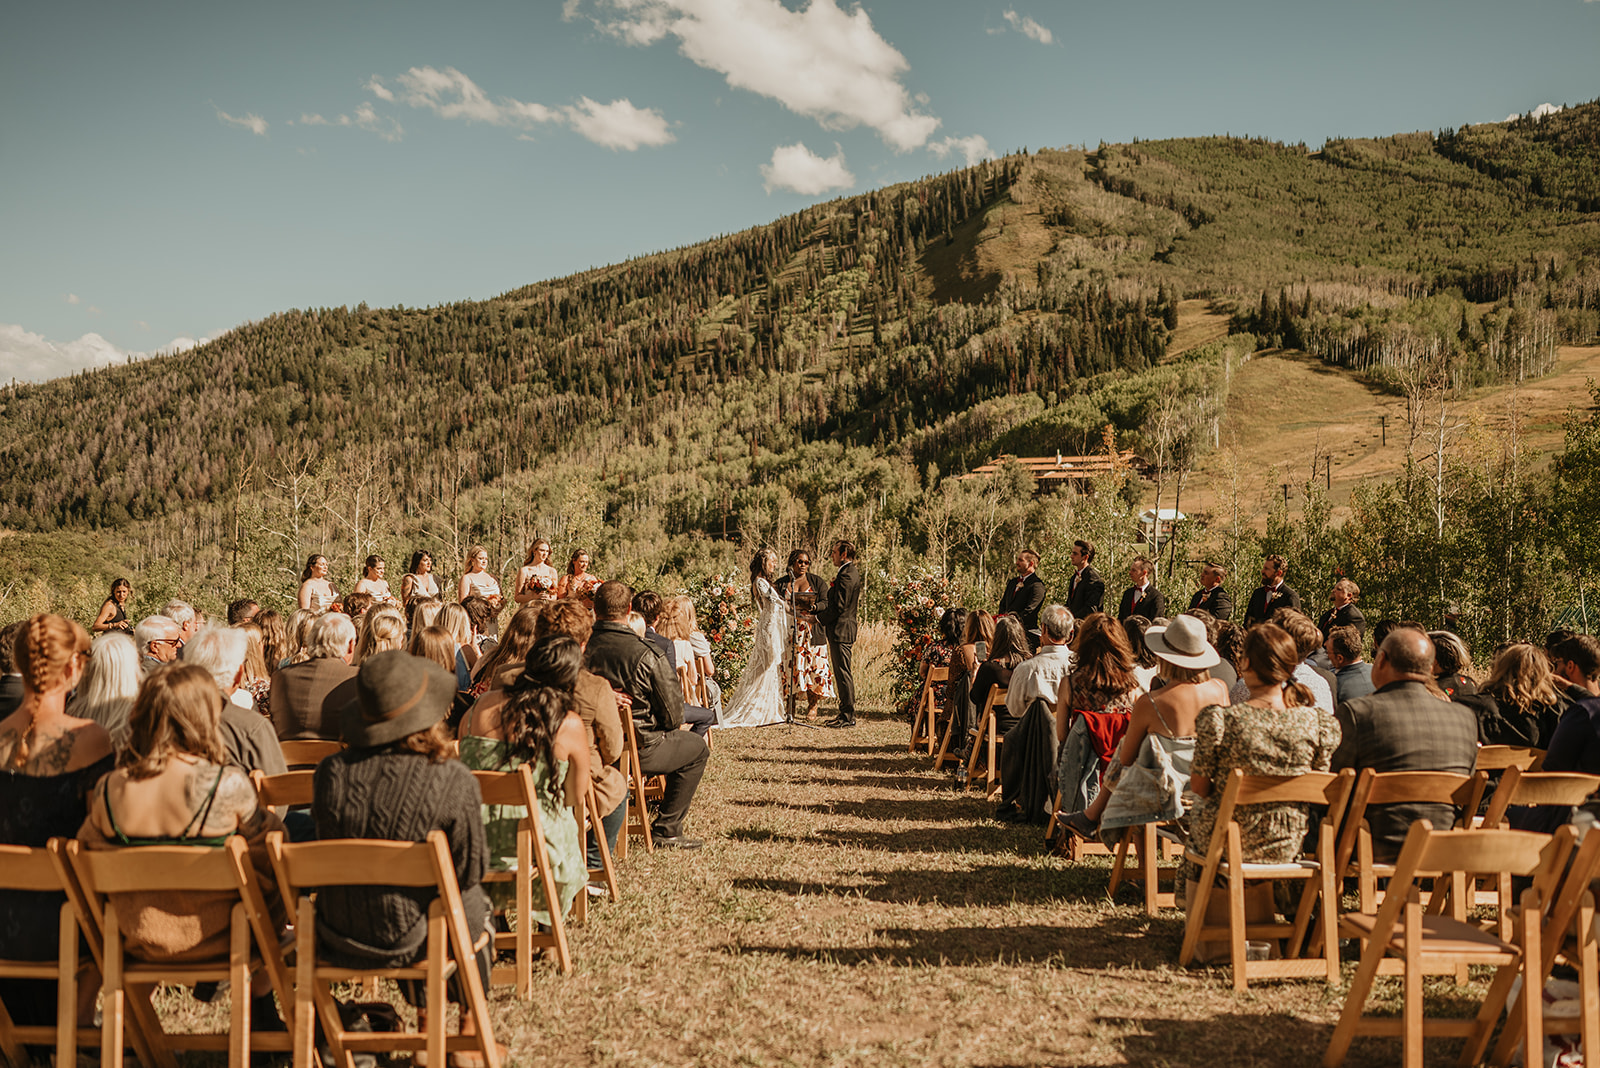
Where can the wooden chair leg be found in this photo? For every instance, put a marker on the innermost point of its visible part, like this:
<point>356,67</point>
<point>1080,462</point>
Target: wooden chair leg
<point>305,1013</point>
<point>1119,863</point>
<point>1151,867</point>
<point>1532,984</point>
<point>1411,1010</point>
<point>435,982</point>
<point>608,866</point>
<point>11,1046</point>
<point>114,996</point>
<point>993,771</point>
<point>944,744</point>
<point>66,989</point>
<point>1588,975</point>
<point>239,994</point>
<point>1236,913</point>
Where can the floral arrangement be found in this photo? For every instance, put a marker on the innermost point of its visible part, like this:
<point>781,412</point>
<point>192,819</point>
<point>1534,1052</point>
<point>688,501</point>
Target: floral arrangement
<point>918,599</point>
<point>724,615</point>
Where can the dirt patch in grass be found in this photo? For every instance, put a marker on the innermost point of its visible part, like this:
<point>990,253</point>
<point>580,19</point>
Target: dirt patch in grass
<point>851,908</point>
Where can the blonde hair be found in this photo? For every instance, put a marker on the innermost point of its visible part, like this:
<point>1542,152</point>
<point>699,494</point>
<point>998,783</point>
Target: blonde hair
<point>382,629</point>
<point>435,643</point>
<point>674,621</point>
<point>255,650</point>
<point>299,631</point>
<point>43,654</point>
<point>472,554</point>
<point>1521,678</point>
<point>454,618</point>
<point>424,612</point>
<point>176,712</point>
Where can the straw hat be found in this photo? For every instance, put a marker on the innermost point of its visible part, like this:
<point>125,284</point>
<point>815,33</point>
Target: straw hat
<point>1182,642</point>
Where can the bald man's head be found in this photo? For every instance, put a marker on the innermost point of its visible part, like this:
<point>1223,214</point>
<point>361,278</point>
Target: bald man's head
<point>1408,653</point>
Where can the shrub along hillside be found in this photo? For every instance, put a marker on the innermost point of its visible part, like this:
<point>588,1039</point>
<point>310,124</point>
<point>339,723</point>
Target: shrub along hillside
<point>819,375</point>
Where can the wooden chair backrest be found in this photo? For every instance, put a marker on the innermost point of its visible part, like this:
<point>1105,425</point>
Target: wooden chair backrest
<point>1500,757</point>
<point>288,789</point>
<point>1518,787</point>
<point>938,674</point>
<point>1311,788</point>
<point>309,752</point>
<point>307,866</point>
<point>160,869</point>
<point>22,868</point>
<point>997,698</point>
<point>1406,787</point>
<point>508,787</point>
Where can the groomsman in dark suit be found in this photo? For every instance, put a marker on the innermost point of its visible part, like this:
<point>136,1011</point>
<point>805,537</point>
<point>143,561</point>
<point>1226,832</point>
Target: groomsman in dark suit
<point>1272,594</point>
<point>1024,594</point>
<point>838,619</point>
<point>1086,593</point>
<point>1211,597</point>
<point>1142,598</point>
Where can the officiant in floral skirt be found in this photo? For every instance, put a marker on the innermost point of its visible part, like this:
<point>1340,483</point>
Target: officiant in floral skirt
<point>812,673</point>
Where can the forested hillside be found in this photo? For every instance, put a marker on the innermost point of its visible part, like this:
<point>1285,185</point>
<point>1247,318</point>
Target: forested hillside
<point>821,374</point>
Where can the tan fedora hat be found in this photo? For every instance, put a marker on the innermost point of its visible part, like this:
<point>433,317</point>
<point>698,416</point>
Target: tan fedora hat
<point>1182,642</point>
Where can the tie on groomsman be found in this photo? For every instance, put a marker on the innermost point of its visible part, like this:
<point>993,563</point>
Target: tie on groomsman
<point>1142,598</point>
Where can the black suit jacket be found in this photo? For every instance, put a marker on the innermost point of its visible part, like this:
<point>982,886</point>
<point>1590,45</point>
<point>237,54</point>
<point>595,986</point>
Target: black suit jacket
<point>1217,601</point>
<point>10,694</point>
<point>1348,616</point>
<point>838,616</point>
<point>1260,610</point>
<point>1023,598</point>
<point>1086,593</point>
<point>1151,605</point>
<point>1403,727</point>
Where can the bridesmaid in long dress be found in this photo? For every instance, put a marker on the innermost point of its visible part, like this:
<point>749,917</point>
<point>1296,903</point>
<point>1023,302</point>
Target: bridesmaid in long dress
<point>578,583</point>
<point>537,580</point>
<point>316,592</point>
<point>419,582</point>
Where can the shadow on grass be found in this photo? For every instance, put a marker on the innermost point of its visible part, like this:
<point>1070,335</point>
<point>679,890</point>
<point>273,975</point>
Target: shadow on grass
<point>987,838</point>
<point>825,759</point>
<point>1116,942</point>
<point>948,809</point>
<point>1237,1038</point>
<point>980,886</point>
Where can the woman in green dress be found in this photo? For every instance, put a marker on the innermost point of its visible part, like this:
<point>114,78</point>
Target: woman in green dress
<point>533,721</point>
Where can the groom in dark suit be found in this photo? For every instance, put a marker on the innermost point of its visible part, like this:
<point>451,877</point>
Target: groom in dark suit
<point>838,619</point>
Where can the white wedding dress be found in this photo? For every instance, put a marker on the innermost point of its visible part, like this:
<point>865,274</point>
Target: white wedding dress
<point>758,699</point>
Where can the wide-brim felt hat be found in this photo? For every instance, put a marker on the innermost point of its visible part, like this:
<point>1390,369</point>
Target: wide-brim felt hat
<point>397,695</point>
<point>1182,642</point>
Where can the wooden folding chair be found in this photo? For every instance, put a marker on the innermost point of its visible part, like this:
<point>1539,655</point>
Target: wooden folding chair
<point>642,789</point>
<point>1519,787</point>
<point>1224,858</point>
<point>1568,934</point>
<point>1421,942</point>
<point>587,814</point>
<point>924,723</point>
<point>310,866</point>
<point>1500,757</point>
<point>1075,848</point>
<point>944,755</point>
<point>253,943</point>
<point>32,870</point>
<point>290,789</point>
<point>1150,848</point>
<point>987,743</point>
<point>1354,851</point>
<point>516,788</point>
<point>308,753</point>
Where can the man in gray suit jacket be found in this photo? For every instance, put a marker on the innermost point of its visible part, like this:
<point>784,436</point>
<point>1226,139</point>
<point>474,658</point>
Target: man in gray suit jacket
<point>838,619</point>
<point>1404,727</point>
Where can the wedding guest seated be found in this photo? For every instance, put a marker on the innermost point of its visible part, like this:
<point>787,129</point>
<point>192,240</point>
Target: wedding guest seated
<point>183,614</point>
<point>815,673</point>
<point>397,781</point>
<point>274,640</point>
<point>383,628</point>
<point>425,613</point>
<point>1277,730</point>
<point>510,652</point>
<point>1452,668</point>
<point>977,631</point>
<point>1402,726</point>
<point>356,606</point>
<point>109,685</point>
<point>49,761</point>
<point>676,624</point>
<point>1039,676</point>
<point>599,710</point>
<point>242,610</point>
<point>174,786</point>
<point>1352,675</point>
<point>648,604</point>
<point>255,688</point>
<point>1009,649</point>
<point>1575,745</point>
<point>1092,710</point>
<point>247,736</point>
<point>306,696</point>
<point>534,721</point>
<point>484,617</point>
<point>1146,668</point>
<point>1147,775</point>
<point>435,644</point>
<point>1222,669</point>
<point>298,629</point>
<point>1308,643</point>
<point>938,654</point>
<point>636,668</point>
<point>159,638</point>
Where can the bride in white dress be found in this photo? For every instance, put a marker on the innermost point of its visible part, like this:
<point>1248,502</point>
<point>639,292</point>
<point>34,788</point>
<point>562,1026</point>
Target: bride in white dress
<point>759,699</point>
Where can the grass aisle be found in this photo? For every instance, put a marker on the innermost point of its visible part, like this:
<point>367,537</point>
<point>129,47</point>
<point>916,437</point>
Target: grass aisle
<point>851,908</point>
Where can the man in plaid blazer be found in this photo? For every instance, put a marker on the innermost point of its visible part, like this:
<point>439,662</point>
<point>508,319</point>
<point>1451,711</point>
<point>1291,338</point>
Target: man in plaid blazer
<point>1404,727</point>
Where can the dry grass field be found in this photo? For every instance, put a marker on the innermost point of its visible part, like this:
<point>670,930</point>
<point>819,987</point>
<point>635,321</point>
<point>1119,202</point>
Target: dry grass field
<point>851,908</point>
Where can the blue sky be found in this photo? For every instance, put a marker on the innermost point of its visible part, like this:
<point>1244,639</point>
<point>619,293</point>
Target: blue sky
<point>168,171</point>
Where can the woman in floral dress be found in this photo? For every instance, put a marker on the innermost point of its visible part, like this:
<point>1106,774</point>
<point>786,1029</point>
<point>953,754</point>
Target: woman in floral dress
<point>813,673</point>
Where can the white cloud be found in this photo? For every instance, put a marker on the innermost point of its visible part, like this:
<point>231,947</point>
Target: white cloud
<point>451,94</point>
<point>820,62</point>
<point>1539,112</point>
<point>30,357</point>
<point>974,149</point>
<point>798,169</point>
<point>1029,28</point>
<point>618,124</point>
<point>252,122</point>
<point>376,87</point>
<point>366,118</point>
<point>73,298</point>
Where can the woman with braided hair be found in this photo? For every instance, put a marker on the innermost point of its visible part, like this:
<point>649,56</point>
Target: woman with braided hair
<point>49,761</point>
<point>534,721</point>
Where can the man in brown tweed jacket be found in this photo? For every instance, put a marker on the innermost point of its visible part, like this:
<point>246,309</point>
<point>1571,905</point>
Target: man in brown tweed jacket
<point>1404,727</point>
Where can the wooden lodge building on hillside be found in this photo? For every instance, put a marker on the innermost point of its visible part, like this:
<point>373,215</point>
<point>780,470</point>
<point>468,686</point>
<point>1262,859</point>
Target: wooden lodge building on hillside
<point>1051,473</point>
